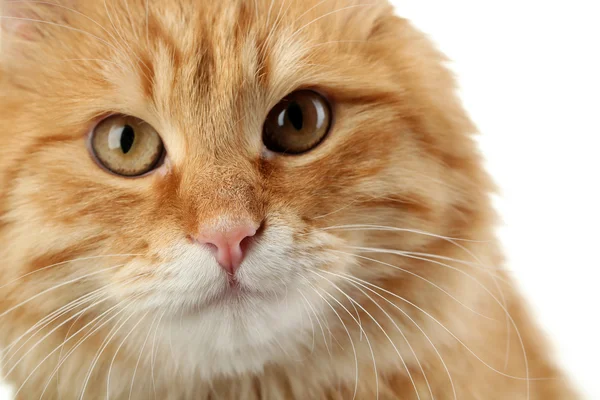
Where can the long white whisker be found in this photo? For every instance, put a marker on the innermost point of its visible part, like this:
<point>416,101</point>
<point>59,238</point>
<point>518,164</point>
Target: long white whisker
<point>419,277</point>
<point>58,287</point>
<point>309,10</point>
<point>112,362</point>
<point>415,257</point>
<point>62,26</point>
<point>494,278</point>
<point>277,20</point>
<point>452,334</point>
<point>337,210</point>
<point>60,355</point>
<point>501,303</point>
<point>324,44</point>
<point>401,333</point>
<point>131,51</point>
<point>51,332</point>
<point>15,352</point>
<point>66,262</point>
<point>331,335</point>
<point>364,332</point>
<point>359,321</point>
<point>103,347</point>
<point>348,278</point>
<point>365,227</point>
<point>140,356</point>
<point>487,269</point>
<point>318,322</point>
<point>95,328</point>
<point>382,330</point>
<point>416,325</point>
<point>299,30</point>
<point>44,322</point>
<point>77,13</point>
<point>269,12</point>
<point>54,351</point>
<point>349,337</point>
<point>312,325</point>
<point>153,354</point>
<point>463,262</point>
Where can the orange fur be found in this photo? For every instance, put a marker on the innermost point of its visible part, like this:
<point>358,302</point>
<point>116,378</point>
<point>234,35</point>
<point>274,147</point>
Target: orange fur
<point>442,320</point>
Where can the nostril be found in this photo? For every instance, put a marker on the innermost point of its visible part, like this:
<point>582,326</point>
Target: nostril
<point>249,240</point>
<point>246,243</point>
<point>229,246</point>
<point>260,230</point>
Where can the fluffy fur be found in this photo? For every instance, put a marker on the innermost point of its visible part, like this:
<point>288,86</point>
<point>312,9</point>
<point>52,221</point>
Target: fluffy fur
<point>377,273</point>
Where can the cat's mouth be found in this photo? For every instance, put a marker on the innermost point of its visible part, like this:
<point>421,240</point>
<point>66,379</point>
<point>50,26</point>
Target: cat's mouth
<point>235,295</point>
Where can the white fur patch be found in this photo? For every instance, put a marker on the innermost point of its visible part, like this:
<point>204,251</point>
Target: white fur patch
<point>212,332</point>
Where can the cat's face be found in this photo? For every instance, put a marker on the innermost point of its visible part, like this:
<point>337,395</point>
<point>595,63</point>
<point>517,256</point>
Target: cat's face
<point>228,221</point>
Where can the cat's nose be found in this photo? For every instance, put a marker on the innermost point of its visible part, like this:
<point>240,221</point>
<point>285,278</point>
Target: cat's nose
<point>229,243</point>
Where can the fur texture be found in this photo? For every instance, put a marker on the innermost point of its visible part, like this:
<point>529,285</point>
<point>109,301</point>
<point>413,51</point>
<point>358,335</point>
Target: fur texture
<point>377,273</point>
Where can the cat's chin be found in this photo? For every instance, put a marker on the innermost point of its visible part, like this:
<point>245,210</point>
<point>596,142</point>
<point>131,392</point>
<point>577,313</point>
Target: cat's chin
<point>237,333</point>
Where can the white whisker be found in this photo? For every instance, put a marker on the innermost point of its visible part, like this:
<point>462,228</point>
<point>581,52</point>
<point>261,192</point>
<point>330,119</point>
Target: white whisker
<point>382,330</point>
<point>318,321</point>
<point>44,322</point>
<point>309,10</point>
<point>299,30</point>
<point>312,325</point>
<point>131,51</point>
<point>417,326</point>
<point>60,347</point>
<point>72,10</point>
<point>117,352</point>
<point>419,277</point>
<point>454,336</point>
<point>95,325</point>
<point>66,262</point>
<point>349,337</point>
<point>153,354</point>
<point>501,303</point>
<point>366,227</point>
<point>62,26</point>
<point>502,300</point>
<point>355,283</point>
<point>364,332</point>
<point>50,333</point>
<point>141,353</point>
<point>57,287</point>
<point>113,332</point>
<point>334,42</point>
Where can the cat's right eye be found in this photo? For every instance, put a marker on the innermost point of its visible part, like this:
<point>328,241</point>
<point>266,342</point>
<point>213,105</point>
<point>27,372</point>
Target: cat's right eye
<point>127,146</point>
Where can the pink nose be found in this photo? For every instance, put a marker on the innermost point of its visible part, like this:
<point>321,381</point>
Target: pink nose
<point>229,244</point>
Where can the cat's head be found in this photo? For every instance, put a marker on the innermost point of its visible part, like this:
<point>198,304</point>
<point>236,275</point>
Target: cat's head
<point>226,163</point>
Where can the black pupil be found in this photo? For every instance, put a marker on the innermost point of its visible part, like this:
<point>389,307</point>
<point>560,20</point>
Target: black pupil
<point>127,138</point>
<point>295,116</point>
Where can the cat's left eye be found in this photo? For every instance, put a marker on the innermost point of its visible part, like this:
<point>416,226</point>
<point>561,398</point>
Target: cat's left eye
<point>298,123</point>
<point>127,146</point>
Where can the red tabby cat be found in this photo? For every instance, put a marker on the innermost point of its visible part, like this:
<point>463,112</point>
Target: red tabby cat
<point>247,199</point>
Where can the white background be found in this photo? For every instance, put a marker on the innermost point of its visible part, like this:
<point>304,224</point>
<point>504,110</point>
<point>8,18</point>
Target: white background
<point>530,77</point>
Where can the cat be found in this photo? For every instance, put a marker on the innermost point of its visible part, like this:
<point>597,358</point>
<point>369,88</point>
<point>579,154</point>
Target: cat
<point>248,199</point>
